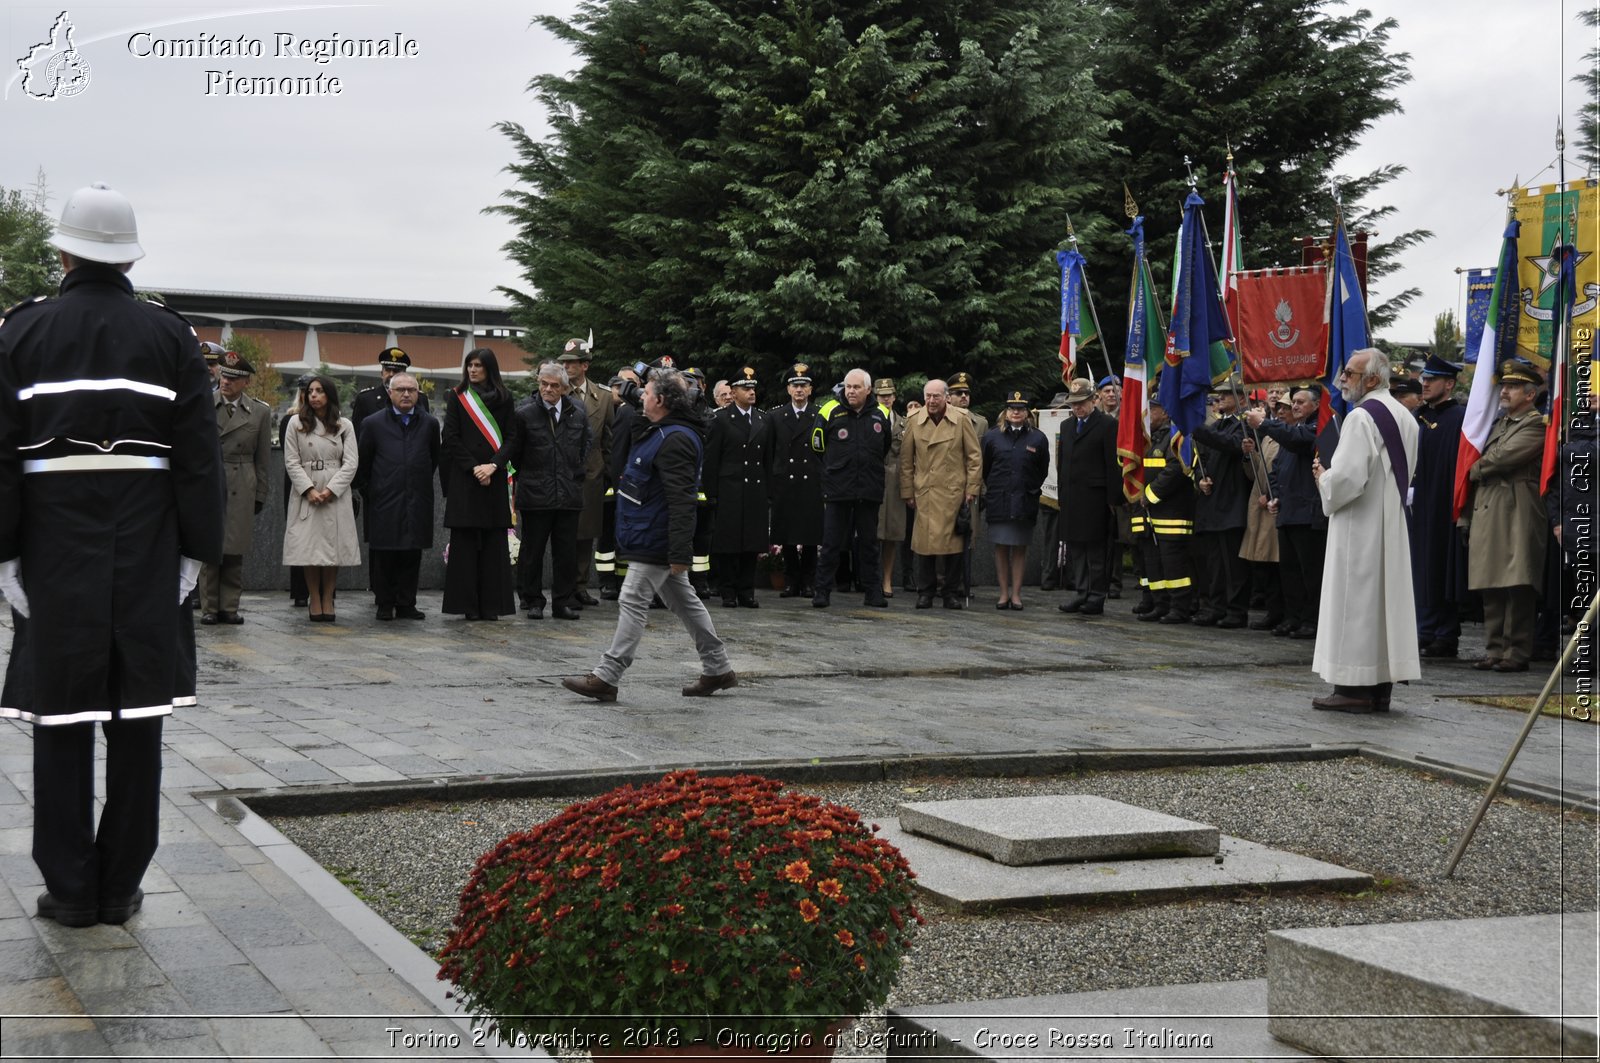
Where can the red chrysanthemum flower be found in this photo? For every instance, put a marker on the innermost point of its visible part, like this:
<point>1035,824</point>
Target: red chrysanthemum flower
<point>809,911</point>
<point>798,871</point>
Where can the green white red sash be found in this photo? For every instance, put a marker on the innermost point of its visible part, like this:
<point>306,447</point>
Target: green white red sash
<point>479,413</point>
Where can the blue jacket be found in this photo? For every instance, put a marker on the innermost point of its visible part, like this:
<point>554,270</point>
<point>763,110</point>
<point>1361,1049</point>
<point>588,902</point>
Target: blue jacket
<point>1014,467</point>
<point>1292,485</point>
<point>656,492</point>
<point>853,444</point>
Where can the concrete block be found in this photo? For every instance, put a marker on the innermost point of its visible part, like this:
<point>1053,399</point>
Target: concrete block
<point>1050,829</point>
<point>968,882</point>
<point>1446,989</point>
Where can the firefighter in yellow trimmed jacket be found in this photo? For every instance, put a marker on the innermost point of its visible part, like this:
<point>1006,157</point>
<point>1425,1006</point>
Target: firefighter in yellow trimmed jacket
<point>1163,524</point>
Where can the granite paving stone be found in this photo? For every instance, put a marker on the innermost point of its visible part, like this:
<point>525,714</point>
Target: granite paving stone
<point>1041,830</point>
<point>180,948</point>
<point>233,989</point>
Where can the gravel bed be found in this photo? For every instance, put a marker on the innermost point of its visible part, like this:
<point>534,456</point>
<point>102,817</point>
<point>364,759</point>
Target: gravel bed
<point>409,863</point>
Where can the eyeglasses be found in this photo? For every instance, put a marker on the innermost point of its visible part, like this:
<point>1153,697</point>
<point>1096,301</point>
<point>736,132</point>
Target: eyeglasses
<point>404,391</point>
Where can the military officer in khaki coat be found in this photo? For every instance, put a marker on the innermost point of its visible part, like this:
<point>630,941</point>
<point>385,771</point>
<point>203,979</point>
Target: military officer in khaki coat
<point>245,425</point>
<point>941,467</point>
<point>598,405</point>
<point>1507,529</point>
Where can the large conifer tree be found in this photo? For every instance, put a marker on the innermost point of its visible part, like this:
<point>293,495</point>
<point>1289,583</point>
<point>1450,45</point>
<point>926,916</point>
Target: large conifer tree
<point>878,183</point>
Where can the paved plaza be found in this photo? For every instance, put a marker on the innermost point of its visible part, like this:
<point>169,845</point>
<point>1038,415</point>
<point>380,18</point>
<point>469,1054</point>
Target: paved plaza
<point>246,948</point>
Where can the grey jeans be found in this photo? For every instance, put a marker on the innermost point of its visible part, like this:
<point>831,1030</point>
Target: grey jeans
<point>643,583</point>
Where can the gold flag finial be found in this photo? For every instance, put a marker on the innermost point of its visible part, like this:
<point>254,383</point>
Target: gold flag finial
<point>1128,205</point>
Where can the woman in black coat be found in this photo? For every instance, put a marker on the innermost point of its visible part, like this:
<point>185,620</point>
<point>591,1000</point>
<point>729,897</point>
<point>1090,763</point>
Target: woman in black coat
<point>480,437</point>
<point>1016,459</point>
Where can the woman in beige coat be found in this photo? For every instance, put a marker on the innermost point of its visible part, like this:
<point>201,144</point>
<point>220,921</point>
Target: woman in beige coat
<point>320,458</point>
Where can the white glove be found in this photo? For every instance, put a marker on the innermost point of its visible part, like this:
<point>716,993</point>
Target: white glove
<point>188,576</point>
<point>11,585</point>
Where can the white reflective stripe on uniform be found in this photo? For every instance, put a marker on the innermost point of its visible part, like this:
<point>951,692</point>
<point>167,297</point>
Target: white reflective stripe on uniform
<point>92,716</point>
<point>61,387</point>
<point>185,702</point>
<point>96,463</point>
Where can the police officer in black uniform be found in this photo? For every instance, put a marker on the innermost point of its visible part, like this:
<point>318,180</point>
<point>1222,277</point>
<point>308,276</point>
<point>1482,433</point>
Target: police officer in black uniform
<point>795,485</point>
<point>111,497</point>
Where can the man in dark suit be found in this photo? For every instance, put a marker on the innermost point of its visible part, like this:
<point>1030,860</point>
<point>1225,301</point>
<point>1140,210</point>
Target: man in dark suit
<point>738,454</point>
<point>368,401</point>
<point>597,405</point>
<point>1090,486</point>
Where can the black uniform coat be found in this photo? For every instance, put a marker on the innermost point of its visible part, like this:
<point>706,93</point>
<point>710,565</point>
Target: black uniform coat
<point>1220,444</point>
<point>738,455</point>
<point>1290,475</point>
<point>795,485</point>
<point>1438,558</point>
<point>100,549</point>
<point>553,455</point>
<point>469,504</point>
<point>1088,478</point>
<point>853,444</point>
<point>1014,467</point>
<point>396,479</point>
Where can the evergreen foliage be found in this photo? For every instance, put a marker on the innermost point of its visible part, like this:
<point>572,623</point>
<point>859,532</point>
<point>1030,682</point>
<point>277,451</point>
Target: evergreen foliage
<point>1447,337</point>
<point>881,184</point>
<point>1589,112</point>
<point>29,265</point>
<point>1290,85</point>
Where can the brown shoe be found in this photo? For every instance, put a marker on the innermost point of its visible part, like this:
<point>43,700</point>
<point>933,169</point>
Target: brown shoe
<point>1343,703</point>
<point>1486,664</point>
<point>591,686</point>
<point>707,685</point>
<point>1511,666</point>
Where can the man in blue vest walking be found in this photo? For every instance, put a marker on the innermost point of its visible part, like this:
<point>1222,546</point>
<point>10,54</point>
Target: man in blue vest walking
<point>655,535</point>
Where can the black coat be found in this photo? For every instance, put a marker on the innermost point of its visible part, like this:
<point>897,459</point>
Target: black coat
<point>369,401</point>
<point>396,479</point>
<point>853,444</point>
<point>99,547</point>
<point>467,503</point>
<point>1438,556</point>
<point>738,456</point>
<point>1220,444</point>
<point>1014,467</point>
<point>795,485</point>
<point>1292,485</point>
<point>552,456</point>
<point>1088,478</point>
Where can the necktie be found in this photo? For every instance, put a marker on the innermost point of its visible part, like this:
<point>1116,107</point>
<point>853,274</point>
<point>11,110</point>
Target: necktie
<point>230,409</point>
<point>555,413</point>
<point>1080,426</point>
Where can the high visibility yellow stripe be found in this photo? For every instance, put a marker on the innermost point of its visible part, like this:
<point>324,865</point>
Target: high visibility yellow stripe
<point>701,563</point>
<point>1153,498</point>
<point>1169,521</point>
<point>1155,463</point>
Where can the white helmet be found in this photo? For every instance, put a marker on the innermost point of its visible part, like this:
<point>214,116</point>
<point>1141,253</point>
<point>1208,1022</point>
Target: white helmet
<point>97,224</point>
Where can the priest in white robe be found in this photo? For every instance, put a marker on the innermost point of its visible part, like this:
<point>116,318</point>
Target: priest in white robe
<point>1367,625</point>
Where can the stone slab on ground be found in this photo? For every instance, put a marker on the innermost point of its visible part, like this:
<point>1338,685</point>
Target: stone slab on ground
<point>1211,1020</point>
<point>968,882</point>
<point>1510,986</point>
<point>1021,831</point>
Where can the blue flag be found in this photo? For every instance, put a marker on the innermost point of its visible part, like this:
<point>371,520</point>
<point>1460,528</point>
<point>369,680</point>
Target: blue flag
<point>1346,314</point>
<point>1198,322</point>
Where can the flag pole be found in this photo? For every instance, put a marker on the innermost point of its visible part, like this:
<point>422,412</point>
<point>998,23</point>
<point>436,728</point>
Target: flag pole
<point>1088,294</point>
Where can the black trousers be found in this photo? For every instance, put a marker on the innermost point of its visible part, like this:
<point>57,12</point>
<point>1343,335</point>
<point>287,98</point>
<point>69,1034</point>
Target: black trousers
<point>556,529</point>
<point>394,575</point>
<point>736,574</point>
<point>1090,570</point>
<point>1167,568</point>
<point>850,528</point>
<point>953,583</point>
<point>478,580</point>
<point>1226,590</point>
<point>1300,551</point>
<point>799,567</point>
<point>82,866</point>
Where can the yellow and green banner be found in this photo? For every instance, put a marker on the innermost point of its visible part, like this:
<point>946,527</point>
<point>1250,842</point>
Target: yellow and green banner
<point>1551,217</point>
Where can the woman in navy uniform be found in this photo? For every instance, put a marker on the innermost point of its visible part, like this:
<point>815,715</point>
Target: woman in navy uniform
<point>110,498</point>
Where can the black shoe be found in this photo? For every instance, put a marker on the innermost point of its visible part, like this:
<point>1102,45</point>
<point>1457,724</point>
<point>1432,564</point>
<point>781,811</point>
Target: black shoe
<point>954,603</point>
<point>1092,610</point>
<point>585,598</point>
<point>657,603</point>
<point>610,594</point>
<point>1145,607</point>
<point>730,603</point>
<point>1205,620</point>
<point>120,912</point>
<point>386,612</point>
<point>749,603</point>
<point>924,601</point>
<point>1232,622</point>
<point>1114,593</point>
<point>819,601</point>
<point>565,612</point>
<point>807,591</point>
<point>65,914</point>
<point>410,612</point>
<point>1441,648</point>
<point>1285,629</point>
<point>790,590</point>
<point>1152,616</point>
<point>1266,623</point>
<point>301,603</point>
<point>877,602</point>
<point>1176,618</point>
<point>1304,631</point>
<point>1074,606</point>
<point>230,618</point>
<point>208,619</point>
<point>1002,605</point>
<point>535,614</point>
<point>1016,607</point>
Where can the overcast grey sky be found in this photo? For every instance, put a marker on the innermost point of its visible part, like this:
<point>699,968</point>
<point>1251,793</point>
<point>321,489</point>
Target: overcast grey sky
<point>376,192</point>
